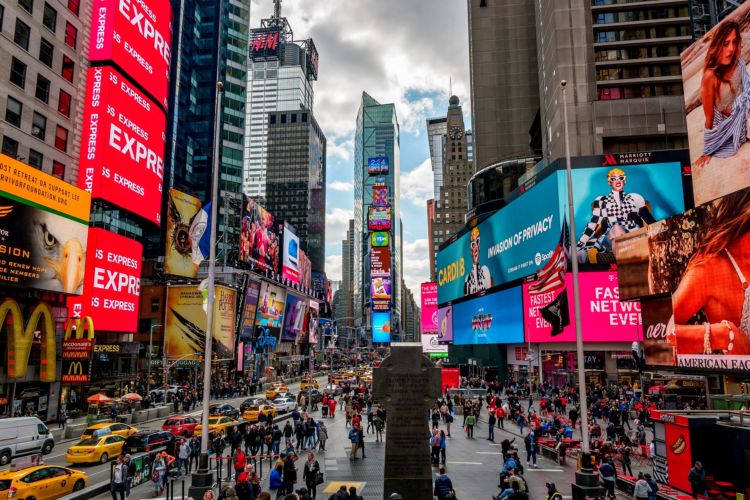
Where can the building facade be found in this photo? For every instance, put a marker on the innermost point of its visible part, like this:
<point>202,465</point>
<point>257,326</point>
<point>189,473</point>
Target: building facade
<point>410,317</point>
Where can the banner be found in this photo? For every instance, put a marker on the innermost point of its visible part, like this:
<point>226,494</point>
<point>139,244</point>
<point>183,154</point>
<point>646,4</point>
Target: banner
<point>249,308</point>
<point>269,318</point>
<point>295,317</point>
<point>381,327</point>
<point>181,212</point>
<point>290,267</point>
<point>445,324</point>
<point>259,243</point>
<point>429,313</point>
<point>380,262</point>
<point>496,318</point>
<point>43,229</point>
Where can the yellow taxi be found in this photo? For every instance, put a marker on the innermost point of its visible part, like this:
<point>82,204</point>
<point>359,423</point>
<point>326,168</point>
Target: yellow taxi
<point>307,384</point>
<point>252,414</point>
<point>276,389</point>
<point>95,449</point>
<point>105,429</point>
<point>217,424</point>
<point>41,482</point>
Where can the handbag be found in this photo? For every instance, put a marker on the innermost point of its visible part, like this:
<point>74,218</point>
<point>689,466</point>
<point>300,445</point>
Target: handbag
<point>451,495</point>
<point>320,478</point>
<point>154,475</point>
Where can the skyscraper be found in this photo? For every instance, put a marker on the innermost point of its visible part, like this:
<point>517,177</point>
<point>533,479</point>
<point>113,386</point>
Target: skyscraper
<point>344,306</point>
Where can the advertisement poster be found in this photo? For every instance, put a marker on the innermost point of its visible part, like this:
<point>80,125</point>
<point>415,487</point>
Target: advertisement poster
<point>431,344</point>
<point>380,195</point>
<point>379,218</point>
<point>604,317</point>
<point>112,284</point>
<point>380,262</point>
<point>305,270</point>
<point>717,128</point>
<point>445,324</point>
<point>249,309</point>
<point>496,318</point>
<point>381,327</point>
<point>137,36</point>
<point>259,243</point>
<point>46,219</point>
<point>429,308</point>
<point>377,165</point>
<point>290,267</point>
<point>269,318</point>
<point>295,317</point>
<point>123,137</point>
<point>380,239</point>
<point>181,211</point>
<point>380,288</point>
<point>314,323</point>
<point>657,314</point>
<point>185,329</point>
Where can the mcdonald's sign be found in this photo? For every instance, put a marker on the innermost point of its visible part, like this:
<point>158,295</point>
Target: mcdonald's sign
<point>76,370</point>
<point>78,341</point>
<point>20,337</point>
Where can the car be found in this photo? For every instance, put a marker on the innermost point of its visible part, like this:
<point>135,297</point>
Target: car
<point>282,395</point>
<point>41,482</point>
<point>148,440</point>
<point>252,414</point>
<point>223,410</point>
<point>311,396</point>
<point>22,436</point>
<point>334,389</point>
<point>161,392</point>
<point>218,424</point>
<point>95,449</point>
<point>272,392</point>
<point>257,400</point>
<point>180,426</point>
<point>104,429</point>
<point>284,405</point>
<point>306,384</point>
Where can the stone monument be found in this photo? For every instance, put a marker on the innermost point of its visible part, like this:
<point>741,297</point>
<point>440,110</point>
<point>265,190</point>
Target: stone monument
<point>407,384</point>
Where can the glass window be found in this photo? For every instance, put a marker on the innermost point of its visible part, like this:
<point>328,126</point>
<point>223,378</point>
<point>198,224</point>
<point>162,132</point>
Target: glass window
<point>71,35</point>
<point>13,112</point>
<point>36,158</point>
<point>50,17</point>
<point>21,35</point>
<point>42,88</point>
<point>39,126</point>
<point>18,73</point>
<point>10,147</point>
<point>27,5</point>
<point>58,169</point>
<point>46,52</point>
<point>63,104</point>
<point>74,6</point>
<point>61,138</point>
<point>68,67</point>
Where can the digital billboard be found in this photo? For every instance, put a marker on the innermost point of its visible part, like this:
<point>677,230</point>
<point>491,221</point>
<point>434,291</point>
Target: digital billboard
<point>265,43</point>
<point>381,327</point>
<point>716,90</point>
<point>379,218</point>
<point>381,305</point>
<point>182,208</point>
<point>269,318</point>
<point>259,242</point>
<point>445,324</point>
<point>380,262</point>
<point>429,308</point>
<point>380,239</point>
<point>314,323</point>
<point>112,285</point>
<point>295,317</point>
<point>378,165</point>
<point>137,36</point>
<point>43,228</point>
<point>603,317</point>
<point>249,309</point>
<point>495,318</point>
<point>122,154</point>
<point>380,288</point>
<point>431,344</point>
<point>290,263</point>
<point>380,195</point>
<point>305,270</point>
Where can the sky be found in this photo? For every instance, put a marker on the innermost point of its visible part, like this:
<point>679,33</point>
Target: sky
<point>402,52</point>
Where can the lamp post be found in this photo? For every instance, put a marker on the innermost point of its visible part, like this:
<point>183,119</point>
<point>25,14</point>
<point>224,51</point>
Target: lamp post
<point>150,351</point>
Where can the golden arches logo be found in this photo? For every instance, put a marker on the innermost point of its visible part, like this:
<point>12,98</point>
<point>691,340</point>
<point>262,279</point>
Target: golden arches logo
<point>75,368</point>
<point>77,328</point>
<point>20,339</point>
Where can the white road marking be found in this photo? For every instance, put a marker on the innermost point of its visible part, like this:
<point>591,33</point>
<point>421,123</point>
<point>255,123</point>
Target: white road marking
<point>465,463</point>
<point>533,469</point>
<point>488,453</point>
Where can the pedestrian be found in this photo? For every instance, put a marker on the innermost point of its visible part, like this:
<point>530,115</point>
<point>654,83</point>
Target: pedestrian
<point>131,474</point>
<point>654,487</point>
<point>642,488</point>
<point>443,489</point>
<point>608,475</point>
<point>159,473</point>
<point>341,494</point>
<point>62,417</point>
<point>552,493</point>
<point>353,494</point>
<point>435,448</point>
<point>228,493</point>
<point>322,436</point>
<point>697,480</point>
<point>354,439</point>
<point>530,442</point>
<point>517,494</point>
<point>119,479</point>
<point>361,442</point>
<point>470,420</point>
<point>443,445</point>
<point>195,451</point>
<point>290,472</point>
<point>183,454</point>
<point>448,422</point>
<point>275,482</point>
<point>310,474</point>
<point>239,462</point>
<point>500,414</point>
<point>332,407</point>
<point>209,495</point>
<point>435,416</point>
<point>624,452</point>
<point>491,421</point>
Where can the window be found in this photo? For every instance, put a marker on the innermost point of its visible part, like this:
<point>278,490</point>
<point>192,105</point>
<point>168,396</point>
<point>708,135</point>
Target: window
<point>67,68</point>
<point>27,5</point>
<point>46,51</point>
<point>42,88</point>
<point>2,15</point>
<point>58,169</point>
<point>71,35</point>
<point>50,17</point>
<point>13,112</point>
<point>74,6</point>
<point>154,304</point>
<point>21,36</point>
<point>63,104</point>
<point>18,73</point>
<point>36,158</point>
<point>10,147</point>
<point>61,138</point>
<point>39,126</point>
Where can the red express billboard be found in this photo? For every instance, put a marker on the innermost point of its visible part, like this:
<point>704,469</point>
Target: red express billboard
<point>136,35</point>
<point>112,284</point>
<point>122,160</point>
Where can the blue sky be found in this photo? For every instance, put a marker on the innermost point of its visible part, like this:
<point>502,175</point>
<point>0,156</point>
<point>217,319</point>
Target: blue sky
<point>400,52</point>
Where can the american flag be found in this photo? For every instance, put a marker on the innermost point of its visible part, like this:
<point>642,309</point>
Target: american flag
<point>552,276</point>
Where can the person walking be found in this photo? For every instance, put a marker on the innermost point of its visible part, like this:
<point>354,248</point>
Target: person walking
<point>443,445</point>
<point>361,443</point>
<point>642,488</point>
<point>290,473</point>
<point>653,485</point>
<point>195,451</point>
<point>491,421</point>
<point>310,474</point>
<point>552,493</point>
<point>240,461</point>
<point>697,480</point>
<point>608,474</point>
<point>470,421</point>
<point>322,436</point>
<point>378,428</point>
<point>119,479</point>
<point>354,438</point>
<point>183,455</point>
<point>131,474</point>
<point>435,448</point>
<point>275,482</point>
<point>62,417</point>
<point>443,489</point>
<point>159,473</point>
<point>530,442</point>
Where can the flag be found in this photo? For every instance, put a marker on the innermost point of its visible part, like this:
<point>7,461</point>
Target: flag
<point>556,313</point>
<point>200,235</point>
<point>551,277</point>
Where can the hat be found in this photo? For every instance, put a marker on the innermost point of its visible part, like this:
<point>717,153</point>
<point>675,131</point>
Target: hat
<point>163,453</point>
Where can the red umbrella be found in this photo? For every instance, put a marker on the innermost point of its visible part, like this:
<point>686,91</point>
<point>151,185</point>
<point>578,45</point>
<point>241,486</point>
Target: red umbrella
<point>99,399</point>
<point>132,396</point>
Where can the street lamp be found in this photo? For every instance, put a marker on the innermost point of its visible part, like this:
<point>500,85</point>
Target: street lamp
<point>150,351</point>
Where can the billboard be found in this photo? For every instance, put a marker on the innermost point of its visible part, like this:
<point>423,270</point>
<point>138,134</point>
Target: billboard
<point>249,309</point>
<point>445,324</point>
<point>112,285</point>
<point>716,90</point>
<point>136,35</point>
<point>380,262</point>
<point>259,243</point>
<point>381,327</point>
<point>429,308</point>
<point>182,208</point>
<point>603,317</point>
<point>431,344</point>
<point>122,158</point>
<point>380,288</point>
<point>43,228</point>
<point>295,317</point>
<point>378,165</point>
<point>380,195</point>
<point>314,323</point>
<point>380,239</point>
<point>378,218</point>
<point>381,305</point>
<point>305,270</point>
<point>290,263</point>
<point>495,318</point>
<point>185,324</point>
<point>265,43</point>
<point>269,318</point>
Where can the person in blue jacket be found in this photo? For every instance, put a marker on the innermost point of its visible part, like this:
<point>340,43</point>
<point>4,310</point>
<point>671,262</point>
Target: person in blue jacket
<point>443,486</point>
<point>274,480</point>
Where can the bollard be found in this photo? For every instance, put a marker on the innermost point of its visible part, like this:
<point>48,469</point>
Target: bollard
<point>229,468</point>
<point>183,489</point>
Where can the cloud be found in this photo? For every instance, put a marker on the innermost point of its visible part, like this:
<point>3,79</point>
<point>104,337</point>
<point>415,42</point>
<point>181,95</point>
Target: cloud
<point>341,186</point>
<point>337,223</point>
<point>416,266</point>
<point>417,184</point>
<point>333,267</point>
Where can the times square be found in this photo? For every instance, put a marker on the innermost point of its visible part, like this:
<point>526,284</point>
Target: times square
<point>214,286</point>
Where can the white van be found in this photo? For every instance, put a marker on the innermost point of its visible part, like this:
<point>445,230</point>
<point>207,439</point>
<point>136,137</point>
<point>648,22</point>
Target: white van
<point>23,436</point>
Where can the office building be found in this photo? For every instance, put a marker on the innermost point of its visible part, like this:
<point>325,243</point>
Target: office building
<point>43,62</point>
<point>410,317</point>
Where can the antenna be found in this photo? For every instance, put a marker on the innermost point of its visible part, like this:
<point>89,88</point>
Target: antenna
<point>276,9</point>
<point>450,85</point>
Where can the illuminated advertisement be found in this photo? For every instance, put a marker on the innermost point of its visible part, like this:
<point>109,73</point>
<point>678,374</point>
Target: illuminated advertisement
<point>269,318</point>
<point>445,324</point>
<point>249,309</point>
<point>295,317</point>
<point>265,43</point>
<point>44,229</point>
<point>290,267</point>
<point>381,327</point>
<point>716,91</point>
<point>112,285</point>
<point>381,305</point>
<point>378,165</point>
<point>122,157</point>
<point>380,239</point>
<point>305,270</point>
<point>181,211</point>
<point>259,243</point>
<point>380,195</point>
<point>429,308</point>
<point>495,318</point>
<point>379,218</point>
<point>603,317</point>
<point>380,288</point>
<point>137,36</point>
<point>431,344</point>
<point>380,262</point>
<point>314,323</point>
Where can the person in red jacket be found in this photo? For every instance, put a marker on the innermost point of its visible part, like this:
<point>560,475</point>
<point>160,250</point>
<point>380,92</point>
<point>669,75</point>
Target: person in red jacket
<point>332,407</point>
<point>239,462</point>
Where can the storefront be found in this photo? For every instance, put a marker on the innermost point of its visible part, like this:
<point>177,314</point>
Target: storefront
<point>604,363</point>
<point>523,363</point>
